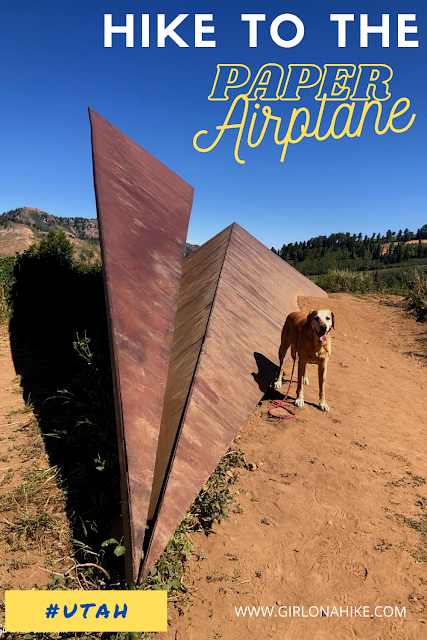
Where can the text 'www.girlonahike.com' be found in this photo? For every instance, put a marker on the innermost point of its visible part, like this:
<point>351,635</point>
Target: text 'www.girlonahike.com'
<point>363,611</point>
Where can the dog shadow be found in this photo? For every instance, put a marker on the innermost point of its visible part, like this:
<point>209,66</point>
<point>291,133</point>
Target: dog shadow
<point>265,377</point>
<point>267,372</point>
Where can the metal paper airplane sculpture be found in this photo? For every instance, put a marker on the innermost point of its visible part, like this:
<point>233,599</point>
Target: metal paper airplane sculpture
<point>235,294</point>
<point>193,345</point>
<point>143,212</point>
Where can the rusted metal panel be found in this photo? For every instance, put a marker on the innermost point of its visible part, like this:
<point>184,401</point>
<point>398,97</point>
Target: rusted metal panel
<point>143,211</point>
<point>252,291</point>
<point>194,307</point>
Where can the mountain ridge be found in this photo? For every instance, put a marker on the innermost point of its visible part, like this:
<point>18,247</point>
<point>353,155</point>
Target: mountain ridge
<point>83,228</point>
<point>21,227</point>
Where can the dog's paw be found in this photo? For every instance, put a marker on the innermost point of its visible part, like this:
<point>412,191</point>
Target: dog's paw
<point>278,384</point>
<point>323,406</point>
<point>299,402</point>
<point>306,382</point>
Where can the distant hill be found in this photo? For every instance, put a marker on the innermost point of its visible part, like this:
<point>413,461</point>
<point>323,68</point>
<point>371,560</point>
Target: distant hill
<point>189,248</point>
<point>22,227</point>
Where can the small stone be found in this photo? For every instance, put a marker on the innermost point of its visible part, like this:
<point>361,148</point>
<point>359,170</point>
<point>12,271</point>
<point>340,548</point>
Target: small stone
<point>337,435</point>
<point>330,522</point>
<point>251,466</point>
<point>260,464</point>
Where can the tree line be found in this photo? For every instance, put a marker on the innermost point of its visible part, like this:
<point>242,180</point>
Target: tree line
<point>356,252</point>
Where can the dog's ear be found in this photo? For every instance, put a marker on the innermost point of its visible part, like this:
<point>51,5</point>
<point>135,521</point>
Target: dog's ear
<point>310,318</point>
<point>333,320</point>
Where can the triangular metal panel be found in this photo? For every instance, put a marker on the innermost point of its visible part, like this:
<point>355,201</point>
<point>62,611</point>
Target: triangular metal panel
<point>143,212</point>
<point>233,362</point>
<point>202,269</point>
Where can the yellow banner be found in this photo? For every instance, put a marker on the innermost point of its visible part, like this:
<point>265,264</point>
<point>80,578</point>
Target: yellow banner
<point>36,611</point>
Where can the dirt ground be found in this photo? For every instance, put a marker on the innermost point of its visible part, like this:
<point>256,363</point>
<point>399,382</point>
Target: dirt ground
<point>34,532</point>
<point>333,513</point>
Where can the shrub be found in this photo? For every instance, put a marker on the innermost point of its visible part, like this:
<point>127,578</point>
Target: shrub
<point>405,282</point>
<point>417,302</point>
<point>7,280</point>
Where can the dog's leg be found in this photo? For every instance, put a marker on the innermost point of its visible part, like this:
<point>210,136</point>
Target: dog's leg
<point>322,369</point>
<point>282,353</point>
<point>300,388</point>
<point>306,380</point>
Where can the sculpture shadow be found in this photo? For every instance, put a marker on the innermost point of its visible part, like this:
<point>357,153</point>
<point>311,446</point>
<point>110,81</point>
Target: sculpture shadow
<point>59,342</point>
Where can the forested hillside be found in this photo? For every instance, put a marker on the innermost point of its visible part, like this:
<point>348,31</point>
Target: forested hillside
<point>355,252</point>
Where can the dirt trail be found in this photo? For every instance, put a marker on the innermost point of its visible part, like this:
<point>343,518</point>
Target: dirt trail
<point>322,518</point>
<point>34,532</point>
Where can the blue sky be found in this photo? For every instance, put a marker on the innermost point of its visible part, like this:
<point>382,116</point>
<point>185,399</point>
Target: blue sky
<point>53,65</point>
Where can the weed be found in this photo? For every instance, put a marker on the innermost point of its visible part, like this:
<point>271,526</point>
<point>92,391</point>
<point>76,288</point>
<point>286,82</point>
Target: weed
<point>18,390</point>
<point>417,481</point>
<point>19,564</point>
<point>417,525</point>
<point>397,456</point>
<point>211,505</point>
<point>35,489</point>
<point>410,479</point>
<point>357,444</point>
<point>383,545</point>
<point>217,577</point>
<point>213,502</point>
<point>7,477</point>
<point>31,525</point>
